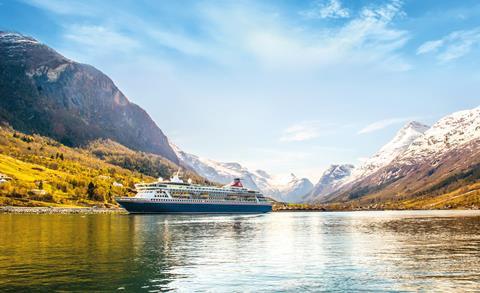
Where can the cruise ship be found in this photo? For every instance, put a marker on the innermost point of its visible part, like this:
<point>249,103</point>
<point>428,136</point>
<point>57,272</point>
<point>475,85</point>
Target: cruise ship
<point>178,197</point>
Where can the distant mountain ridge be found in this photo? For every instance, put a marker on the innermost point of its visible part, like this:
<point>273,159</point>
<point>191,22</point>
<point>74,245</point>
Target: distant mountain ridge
<point>295,189</point>
<point>398,145</point>
<point>290,190</point>
<point>449,133</point>
<point>340,176</point>
<point>329,182</point>
<point>43,92</point>
<point>418,165</point>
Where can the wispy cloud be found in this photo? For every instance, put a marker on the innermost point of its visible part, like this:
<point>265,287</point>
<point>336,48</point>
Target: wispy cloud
<point>382,124</point>
<point>452,46</point>
<point>234,34</point>
<point>304,131</point>
<point>178,42</point>
<point>430,47</point>
<point>368,38</point>
<point>62,7</point>
<point>327,9</point>
<point>100,38</point>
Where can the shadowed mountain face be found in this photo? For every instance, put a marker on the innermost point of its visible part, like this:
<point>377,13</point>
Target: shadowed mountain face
<point>43,92</point>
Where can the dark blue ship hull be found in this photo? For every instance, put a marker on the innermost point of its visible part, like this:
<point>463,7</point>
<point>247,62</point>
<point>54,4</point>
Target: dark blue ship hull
<point>142,207</point>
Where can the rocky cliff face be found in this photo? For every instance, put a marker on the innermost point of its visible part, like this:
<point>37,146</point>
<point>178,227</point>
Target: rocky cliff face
<point>43,92</point>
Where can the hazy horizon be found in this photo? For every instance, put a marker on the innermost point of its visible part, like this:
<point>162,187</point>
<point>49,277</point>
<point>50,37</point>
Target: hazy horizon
<point>286,87</point>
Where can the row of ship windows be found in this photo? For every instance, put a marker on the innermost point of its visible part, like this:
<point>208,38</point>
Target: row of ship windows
<point>210,194</point>
<point>162,195</point>
<point>199,200</point>
<point>216,195</point>
<point>221,199</point>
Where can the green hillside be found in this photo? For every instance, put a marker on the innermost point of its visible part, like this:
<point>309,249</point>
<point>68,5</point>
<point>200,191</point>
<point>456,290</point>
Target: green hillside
<point>44,172</point>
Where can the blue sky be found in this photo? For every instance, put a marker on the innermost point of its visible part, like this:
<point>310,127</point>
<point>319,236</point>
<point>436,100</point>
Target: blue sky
<point>284,86</point>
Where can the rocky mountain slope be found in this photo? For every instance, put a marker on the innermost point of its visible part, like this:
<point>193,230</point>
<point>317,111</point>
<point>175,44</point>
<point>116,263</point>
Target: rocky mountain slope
<point>342,176</point>
<point>397,146</point>
<point>445,159</point>
<point>294,189</point>
<point>331,180</point>
<point>289,190</point>
<point>43,92</point>
<point>452,132</point>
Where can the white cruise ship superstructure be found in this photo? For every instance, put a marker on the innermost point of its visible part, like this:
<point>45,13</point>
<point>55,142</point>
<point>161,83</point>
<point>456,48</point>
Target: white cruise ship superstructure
<point>175,196</point>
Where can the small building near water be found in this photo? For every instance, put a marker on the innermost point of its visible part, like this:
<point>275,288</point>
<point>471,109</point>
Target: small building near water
<point>117,184</point>
<point>4,178</point>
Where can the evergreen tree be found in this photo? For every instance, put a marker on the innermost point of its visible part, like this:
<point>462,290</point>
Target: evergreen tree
<point>91,190</point>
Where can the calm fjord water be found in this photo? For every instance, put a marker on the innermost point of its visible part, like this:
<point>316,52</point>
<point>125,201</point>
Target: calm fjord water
<point>351,251</point>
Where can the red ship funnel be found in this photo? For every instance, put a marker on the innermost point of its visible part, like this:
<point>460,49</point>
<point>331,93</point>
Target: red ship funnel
<point>236,183</point>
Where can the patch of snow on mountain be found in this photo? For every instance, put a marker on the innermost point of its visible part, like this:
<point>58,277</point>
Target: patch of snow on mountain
<point>330,181</point>
<point>294,190</point>
<point>447,134</point>
<point>338,176</point>
<point>15,38</point>
<point>397,146</point>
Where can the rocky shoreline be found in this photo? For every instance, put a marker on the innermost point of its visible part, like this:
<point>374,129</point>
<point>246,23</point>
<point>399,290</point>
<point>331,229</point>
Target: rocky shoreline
<point>60,210</point>
<point>98,210</point>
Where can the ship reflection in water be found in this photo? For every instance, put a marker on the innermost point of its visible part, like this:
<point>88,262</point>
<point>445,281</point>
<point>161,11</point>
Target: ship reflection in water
<point>392,251</point>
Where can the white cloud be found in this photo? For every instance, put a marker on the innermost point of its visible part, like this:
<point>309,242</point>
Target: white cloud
<point>429,47</point>
<point>178,42</point>
<point>303,131</point>
<point>368,38</point>
<point>328,9</point>
<point>62,7</point>
<point>101,39</point>
<point>235,34</point>
<point>382,124</point>
<point>452,46</point>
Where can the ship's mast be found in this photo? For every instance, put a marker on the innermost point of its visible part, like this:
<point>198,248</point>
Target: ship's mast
<point>176,178</point>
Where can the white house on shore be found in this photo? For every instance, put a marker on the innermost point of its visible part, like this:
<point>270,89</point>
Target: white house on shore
<point>4,178</point>
<point>117,184</point>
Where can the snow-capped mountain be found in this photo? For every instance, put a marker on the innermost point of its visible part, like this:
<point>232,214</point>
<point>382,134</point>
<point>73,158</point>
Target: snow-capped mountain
<point>397,146</point>
<point>340,176</point>
<point>444,158</point>
<point>294,189</point>
<point>290,189</point>
<point>449,133</point>
<point>215,171</point>
<point>330,181</point>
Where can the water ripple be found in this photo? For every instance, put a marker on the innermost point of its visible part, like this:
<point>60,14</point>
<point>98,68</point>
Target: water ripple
<point>290,252</point>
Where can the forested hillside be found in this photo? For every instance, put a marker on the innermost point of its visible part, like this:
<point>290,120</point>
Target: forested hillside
<point>40,171</point>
